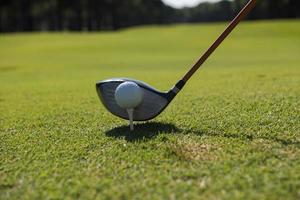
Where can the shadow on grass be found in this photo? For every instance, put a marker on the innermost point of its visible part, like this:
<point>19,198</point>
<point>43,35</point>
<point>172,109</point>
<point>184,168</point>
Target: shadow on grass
<point>143,131</point>
<point>150,130</point>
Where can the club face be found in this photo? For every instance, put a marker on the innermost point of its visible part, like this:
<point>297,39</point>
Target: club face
<point>153,103</point>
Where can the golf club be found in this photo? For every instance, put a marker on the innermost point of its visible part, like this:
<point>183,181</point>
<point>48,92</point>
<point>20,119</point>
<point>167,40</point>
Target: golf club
<point>154,101</point>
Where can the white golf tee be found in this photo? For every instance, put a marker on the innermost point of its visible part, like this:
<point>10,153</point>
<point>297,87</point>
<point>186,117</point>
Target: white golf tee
<point>130,115</point>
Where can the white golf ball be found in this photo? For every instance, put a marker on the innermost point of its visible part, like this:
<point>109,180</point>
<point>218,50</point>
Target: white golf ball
<point>128,95</point>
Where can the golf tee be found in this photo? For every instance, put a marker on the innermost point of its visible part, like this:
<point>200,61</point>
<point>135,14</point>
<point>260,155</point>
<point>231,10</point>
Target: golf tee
<point>130,115</point>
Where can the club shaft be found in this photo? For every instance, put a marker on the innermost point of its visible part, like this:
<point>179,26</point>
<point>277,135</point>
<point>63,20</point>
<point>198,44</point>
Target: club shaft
<point>244,12</point>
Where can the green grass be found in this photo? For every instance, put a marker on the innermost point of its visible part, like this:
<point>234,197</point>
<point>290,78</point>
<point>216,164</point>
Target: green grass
<point>233,132</point>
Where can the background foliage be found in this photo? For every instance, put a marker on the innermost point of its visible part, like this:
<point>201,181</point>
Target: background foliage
<point>94,15</point>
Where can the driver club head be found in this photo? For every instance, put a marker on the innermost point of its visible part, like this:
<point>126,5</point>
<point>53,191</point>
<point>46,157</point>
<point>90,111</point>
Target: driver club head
<point>153,103</point>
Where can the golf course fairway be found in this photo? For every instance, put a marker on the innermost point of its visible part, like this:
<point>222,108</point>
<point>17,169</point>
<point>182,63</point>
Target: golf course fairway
<point>232,133</point>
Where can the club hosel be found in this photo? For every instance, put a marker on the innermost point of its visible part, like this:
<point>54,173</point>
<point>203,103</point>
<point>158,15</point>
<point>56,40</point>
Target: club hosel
<point>176,89</point>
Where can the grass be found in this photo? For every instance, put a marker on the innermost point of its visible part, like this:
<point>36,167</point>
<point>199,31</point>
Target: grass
<point>233,132</point>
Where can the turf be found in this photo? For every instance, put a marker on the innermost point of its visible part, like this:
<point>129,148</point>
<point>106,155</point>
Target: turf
<point>233,132</point>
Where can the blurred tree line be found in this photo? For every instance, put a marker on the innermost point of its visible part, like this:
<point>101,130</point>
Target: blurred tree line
<point>94,15</point>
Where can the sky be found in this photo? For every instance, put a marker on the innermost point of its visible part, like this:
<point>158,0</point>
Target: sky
<point>184,3</point>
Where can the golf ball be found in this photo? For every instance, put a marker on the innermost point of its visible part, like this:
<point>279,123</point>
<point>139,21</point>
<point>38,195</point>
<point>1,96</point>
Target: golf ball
<point>128,95</point>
